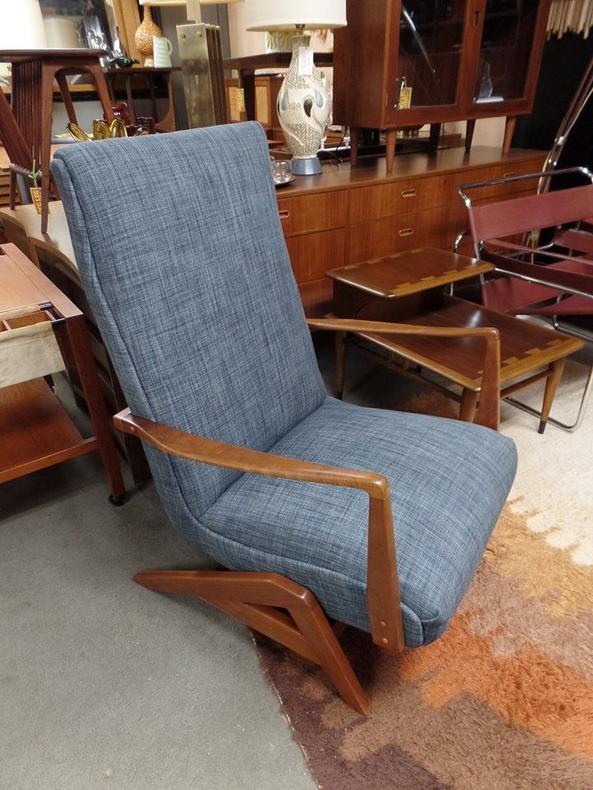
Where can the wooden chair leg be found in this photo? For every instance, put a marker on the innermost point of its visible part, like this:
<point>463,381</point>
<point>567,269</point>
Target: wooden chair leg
<point>341,344</point>
<point>469,402</point>
<point>275,606</point>
<point>47,80</point>
<point>89,380</point>
<point>552,382</point>
<point>314,626</point>
<point>12,192</point>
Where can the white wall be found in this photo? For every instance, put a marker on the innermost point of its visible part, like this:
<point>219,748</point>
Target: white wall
<point>488,131</point>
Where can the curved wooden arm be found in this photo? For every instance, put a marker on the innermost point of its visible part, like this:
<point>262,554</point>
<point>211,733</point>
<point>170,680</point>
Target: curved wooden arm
<point>382,582</point>
<point>489,406</point>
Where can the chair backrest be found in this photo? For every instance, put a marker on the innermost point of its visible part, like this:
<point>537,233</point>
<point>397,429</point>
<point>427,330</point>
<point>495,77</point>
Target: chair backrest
<point>181,253</point>
<point>531,212</point>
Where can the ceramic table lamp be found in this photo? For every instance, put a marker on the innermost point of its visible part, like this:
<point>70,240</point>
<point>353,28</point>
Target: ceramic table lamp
<point>21,25</point>
<point>303,101</point>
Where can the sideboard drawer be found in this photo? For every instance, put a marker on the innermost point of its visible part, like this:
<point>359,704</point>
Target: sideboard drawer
<point>313,212</point>
<point>492,173</point>
<point>397,197</point>
<point>388,235</point>
<point>312,254</point>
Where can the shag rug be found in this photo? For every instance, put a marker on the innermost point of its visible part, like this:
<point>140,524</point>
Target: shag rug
<point>505,698</point>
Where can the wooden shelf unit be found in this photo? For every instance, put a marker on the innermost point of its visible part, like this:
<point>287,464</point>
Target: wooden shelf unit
<point>463,60</point>
<point>35,431</point>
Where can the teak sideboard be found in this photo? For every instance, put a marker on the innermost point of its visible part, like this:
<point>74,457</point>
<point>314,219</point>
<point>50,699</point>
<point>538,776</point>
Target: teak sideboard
<point>352,214</point>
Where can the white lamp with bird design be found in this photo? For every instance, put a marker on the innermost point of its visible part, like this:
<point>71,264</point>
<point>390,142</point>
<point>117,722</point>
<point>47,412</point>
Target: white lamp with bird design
<point>303,101</point>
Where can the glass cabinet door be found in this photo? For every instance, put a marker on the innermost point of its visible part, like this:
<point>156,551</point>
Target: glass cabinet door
<point>505,50</point>
<point>429,56</point>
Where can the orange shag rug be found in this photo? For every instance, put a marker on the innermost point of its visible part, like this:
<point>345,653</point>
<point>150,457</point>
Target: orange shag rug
<point>504,700</point>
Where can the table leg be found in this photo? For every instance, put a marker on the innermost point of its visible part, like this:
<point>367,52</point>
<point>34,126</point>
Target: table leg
<point>341,342</point>
<point>509,131</point>
<point>470,127</point>
<point>102,91</point>
<point>552,382</point>
<point>130,98</point>
<point>435,136</point>
<point>167,124</point>
<point>390,143</point>
<point>247,82</point>
<point>469,402</point>
<point>354,139</point>
<point>66,97</point>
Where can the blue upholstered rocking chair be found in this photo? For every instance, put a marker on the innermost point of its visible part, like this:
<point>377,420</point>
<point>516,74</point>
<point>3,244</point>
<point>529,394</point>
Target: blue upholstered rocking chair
<point>184,264</point>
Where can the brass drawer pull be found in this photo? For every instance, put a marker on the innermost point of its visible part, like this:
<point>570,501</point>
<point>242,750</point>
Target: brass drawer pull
<point>284,214</point>
<point>508,175</point>
<point>406,232</point>
<point>408,193</point>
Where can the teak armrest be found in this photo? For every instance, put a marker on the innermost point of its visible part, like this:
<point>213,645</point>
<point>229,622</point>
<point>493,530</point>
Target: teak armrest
<point>382,582</point>
<point>489,406</point>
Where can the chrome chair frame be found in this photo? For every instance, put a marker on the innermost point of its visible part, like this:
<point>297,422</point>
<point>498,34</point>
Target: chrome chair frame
<point>544,179</point>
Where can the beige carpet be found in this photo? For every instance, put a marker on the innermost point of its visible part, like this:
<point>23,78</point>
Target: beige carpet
<point>505,698</point>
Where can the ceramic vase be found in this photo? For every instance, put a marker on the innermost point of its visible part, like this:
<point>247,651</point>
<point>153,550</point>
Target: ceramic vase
<point>144,35</point>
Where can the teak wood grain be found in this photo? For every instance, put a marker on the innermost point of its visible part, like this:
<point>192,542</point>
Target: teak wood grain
<point>275,606</point>
<point>407,273</point>
<point>489,409</point>
<point>525,347</point>
<point>416,206</point>
<point>382,582</point>
<point>23,286</point>
<point>35,430</point>
<point>406,288</point>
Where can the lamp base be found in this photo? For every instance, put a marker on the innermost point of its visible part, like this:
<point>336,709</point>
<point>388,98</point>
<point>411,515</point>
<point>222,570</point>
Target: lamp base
<point>303,110</point>
<point>306,167</point>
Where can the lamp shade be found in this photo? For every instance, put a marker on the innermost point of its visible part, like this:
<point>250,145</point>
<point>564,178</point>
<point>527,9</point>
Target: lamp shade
<point>21,25</point>
<point>269,15</point>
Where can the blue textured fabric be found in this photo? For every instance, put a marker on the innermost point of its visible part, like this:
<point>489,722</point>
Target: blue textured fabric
<point>449,482</point>
<point>183,260</point>
<point>182,257</point>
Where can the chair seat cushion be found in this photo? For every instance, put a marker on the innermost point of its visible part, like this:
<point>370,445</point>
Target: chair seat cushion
<point>449,482</point>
